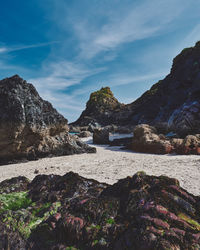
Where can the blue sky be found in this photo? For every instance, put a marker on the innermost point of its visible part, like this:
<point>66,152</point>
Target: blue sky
<point>70,48</point>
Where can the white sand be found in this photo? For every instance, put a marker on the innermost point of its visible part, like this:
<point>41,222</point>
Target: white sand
<point>110,164</point>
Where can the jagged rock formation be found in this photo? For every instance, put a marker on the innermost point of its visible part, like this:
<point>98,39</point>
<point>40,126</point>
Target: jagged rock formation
<point>29,126</point>
<point>179,89</point>
<point>71,212</point>
<point>99,109</point>
<point>173,101</point>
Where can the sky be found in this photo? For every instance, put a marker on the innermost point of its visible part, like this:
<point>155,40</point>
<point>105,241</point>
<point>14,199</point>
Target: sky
<point>70,48</point>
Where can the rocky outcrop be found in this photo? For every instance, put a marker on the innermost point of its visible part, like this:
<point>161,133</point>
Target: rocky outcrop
<point>147,140</point>
<point>173,101</point>
<point>99,109</point>
<point>186,119</point>
<point>71,212</point>
<point>29,126</point>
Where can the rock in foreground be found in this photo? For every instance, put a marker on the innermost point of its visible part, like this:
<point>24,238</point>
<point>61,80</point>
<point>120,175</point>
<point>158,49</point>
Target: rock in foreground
<point>29,126</point>
<point>71,212</point>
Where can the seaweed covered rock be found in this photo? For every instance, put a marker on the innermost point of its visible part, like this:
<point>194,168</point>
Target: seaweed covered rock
<point>29,126</point>
<point>72,212</point>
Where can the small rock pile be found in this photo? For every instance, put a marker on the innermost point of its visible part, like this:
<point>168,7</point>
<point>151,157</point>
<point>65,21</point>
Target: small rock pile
<point>147,140</point>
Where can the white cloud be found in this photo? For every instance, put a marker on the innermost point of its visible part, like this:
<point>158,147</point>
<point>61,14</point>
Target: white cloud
<point>3,49</point>
<point>22,47</point>
<point>121,79</point>
<point>63,74</point>
<point>60,76</point>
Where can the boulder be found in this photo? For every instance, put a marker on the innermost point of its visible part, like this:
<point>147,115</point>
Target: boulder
<point>189,145</point>
<point>29,126</point>
<point>84,134</point>
<point>101,136</point>
<point>72,212</point>
<point>146,140</point>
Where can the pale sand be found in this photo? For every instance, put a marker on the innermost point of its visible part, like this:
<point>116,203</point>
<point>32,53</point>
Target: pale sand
<point>110,164</point>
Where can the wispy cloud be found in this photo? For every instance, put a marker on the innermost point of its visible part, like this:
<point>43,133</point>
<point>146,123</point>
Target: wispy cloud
<point>5,49</point>
<point>62,74</point>
<point>121,79</point>
<point>58,77</point>
<point>191,38</point>
<point>143,21</point>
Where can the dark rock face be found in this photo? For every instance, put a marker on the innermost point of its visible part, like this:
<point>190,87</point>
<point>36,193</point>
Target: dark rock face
<point>178,90</point>
<point>29,126</point>
<point>66,212</point>
<point>175,99</point>
<point>101,136</point>
<point>186,119</point>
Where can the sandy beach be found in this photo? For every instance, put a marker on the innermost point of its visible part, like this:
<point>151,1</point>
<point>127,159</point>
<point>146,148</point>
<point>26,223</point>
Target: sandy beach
<point>110,164</point>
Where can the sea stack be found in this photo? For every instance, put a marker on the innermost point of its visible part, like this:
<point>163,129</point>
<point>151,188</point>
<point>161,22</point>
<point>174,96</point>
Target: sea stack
<point>30,127</point>
<point>100,109</point>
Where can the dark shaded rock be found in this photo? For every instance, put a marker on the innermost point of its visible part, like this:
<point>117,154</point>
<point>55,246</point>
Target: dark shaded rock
<point>186,119</point>
<point>84,134</point>
<point>29,126</point>
<point>16,184</point>
<point>101,136</point>
<point>126,142</point>
<point>139,212</point>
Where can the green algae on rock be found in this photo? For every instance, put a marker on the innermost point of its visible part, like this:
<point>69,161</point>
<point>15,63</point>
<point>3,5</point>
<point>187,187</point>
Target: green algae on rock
<point>72,212</point>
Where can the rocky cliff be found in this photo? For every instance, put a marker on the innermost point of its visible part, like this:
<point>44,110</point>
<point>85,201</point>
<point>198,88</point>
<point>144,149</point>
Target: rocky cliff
<point>100,108</point>
<point>72,212</point>
<point>175,100</point>
<point>29,126</point>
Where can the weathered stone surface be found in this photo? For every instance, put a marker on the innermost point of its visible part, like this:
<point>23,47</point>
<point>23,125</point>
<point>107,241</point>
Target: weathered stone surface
<point>186,119</point>
<point>146,140</point>
<point>189,145</point>
<point>29,126</point>
<point>101,136</point>
<point>66,212</point>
